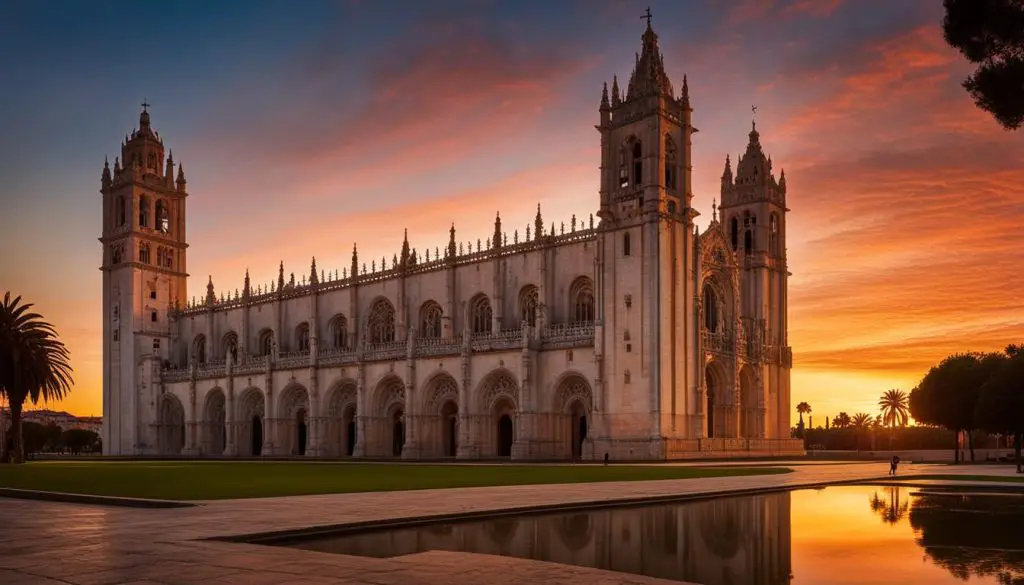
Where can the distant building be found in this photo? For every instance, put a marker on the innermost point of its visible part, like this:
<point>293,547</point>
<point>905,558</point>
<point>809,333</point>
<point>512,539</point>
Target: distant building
<point>638,337</point>
<point>64,420</point>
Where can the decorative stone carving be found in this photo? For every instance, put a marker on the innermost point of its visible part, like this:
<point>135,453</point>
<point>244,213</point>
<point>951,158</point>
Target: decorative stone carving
<point>501,386</point>
<point>442,390</point>
<point>573,390</point>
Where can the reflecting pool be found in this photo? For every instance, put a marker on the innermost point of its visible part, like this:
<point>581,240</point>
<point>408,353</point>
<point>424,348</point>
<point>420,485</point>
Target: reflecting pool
<point>842,534</point>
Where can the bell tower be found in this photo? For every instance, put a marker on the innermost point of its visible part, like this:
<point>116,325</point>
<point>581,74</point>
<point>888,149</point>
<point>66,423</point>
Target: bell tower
<point>754,217</point>
<point>143,265</point>
<point>645,260</point>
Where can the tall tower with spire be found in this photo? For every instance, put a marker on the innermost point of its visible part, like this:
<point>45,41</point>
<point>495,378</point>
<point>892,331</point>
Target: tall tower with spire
<point>645,263</point>
<point>754,217</point>
<point>143,265</point>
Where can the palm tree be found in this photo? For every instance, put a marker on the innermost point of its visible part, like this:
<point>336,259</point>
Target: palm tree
<point>803,408</point>
<point>34,364</point>
<point>842,420</point>
<point>895,408</point>
<point>861,420</point>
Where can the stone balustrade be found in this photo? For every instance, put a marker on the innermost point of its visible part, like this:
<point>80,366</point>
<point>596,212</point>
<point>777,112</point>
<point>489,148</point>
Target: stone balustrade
<point>552,337</point>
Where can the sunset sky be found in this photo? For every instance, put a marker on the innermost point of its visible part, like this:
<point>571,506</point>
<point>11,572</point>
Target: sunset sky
<point>302,132</point>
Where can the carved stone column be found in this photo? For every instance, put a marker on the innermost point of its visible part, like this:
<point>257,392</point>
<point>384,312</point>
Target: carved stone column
<point>270,412</point>
<point>361,406</point>
<point>230,445</point>
<point>468,448</point>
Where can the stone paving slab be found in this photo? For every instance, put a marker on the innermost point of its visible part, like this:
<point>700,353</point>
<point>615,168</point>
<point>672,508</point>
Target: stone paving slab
<point>75,544</point>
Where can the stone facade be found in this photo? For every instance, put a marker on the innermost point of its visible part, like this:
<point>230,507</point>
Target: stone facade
<point>637,337</point>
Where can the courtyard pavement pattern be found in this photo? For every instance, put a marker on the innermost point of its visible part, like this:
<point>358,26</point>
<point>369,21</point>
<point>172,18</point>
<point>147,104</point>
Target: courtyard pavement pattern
<point>48,543</point>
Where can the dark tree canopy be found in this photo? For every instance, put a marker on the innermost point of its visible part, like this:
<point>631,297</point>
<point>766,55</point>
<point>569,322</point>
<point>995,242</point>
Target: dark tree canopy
<point>990,33</point>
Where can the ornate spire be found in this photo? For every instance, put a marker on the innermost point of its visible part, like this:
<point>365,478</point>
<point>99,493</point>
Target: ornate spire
<point>753,167</point>
<point>246,288</point>
<point>280,276</point>
<point>649,77</point>
<point>538,224</point>
<point>714,210</point>
<point>616,96</point>
<point>355,261</point>
<point>313,279</point>
<point>451,242</point>
<point>181,177</point>
<point>782,180</point>
<point>211,298</point>
<point>117,166</point>
<point>684,97</point>
<point>405,248</point>
<point>105,177</point>
<point>169,169</point>
<point>144,116</point>
<point>605,105</point>
<point>496,240</point>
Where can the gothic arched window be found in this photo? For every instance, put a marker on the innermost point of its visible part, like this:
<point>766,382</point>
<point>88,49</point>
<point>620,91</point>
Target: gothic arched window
<point>119,210</point>
<point>302,337</point>
<point>638,164</point>
<point>380,323</point>
<point>623,169</point>
<point>199,349</point>
<point>749,227</point>
<point>480,314</point>
<point>582,294</point>
<point>528,303</point>
<point>339,332</point>
<point>266,342</point>
<point>151,162</point>
<point>144,253</point>
<point>670,163</point>
<point>710,309</point>
<point>773,234</point>
<point>143,211</point>
<point>230,345</point>
<point>430,320</point>
<point>163,219</point>
<point>734,232</point>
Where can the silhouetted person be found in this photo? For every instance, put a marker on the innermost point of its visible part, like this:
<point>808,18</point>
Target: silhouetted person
<point>894,464</point>
<point>606,459</point>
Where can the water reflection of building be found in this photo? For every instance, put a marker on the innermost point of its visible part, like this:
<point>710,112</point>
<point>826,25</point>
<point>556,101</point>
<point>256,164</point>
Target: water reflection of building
<point>732,541</point>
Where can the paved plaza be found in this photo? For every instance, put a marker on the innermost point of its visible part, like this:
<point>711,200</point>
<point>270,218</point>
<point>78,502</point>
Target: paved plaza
<point>61,543</point>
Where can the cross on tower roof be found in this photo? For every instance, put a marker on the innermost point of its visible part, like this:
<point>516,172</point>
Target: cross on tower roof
<point>647,15</point>
<point>145,104</point>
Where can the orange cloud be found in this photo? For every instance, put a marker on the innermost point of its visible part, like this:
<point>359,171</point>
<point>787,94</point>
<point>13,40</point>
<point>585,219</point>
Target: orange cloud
<point>906,203</point>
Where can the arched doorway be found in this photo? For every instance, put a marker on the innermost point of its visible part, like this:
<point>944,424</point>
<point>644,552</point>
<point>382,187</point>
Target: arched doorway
<point>349,421</point>
<point>171,426</point>
<point>256,438</point>
<point>249,430</point>
<point>290,432</point>
<point>506,434</point>
<point>578,429</point>
<point>214,424</point>
<point>300,430</point>
<point>450,429</point>
<point>397,432</point>
<point>350,445</point>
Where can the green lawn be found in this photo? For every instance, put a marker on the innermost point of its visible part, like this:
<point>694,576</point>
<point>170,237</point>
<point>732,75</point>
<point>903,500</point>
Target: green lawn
<point>212,480</point>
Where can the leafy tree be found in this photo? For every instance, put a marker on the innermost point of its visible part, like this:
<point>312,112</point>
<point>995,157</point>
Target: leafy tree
<point>1000,407</point>
<point>78,440</point>
<point>990,33</point>
<point>948,394</point>
<point>34,364</point>
<point>842,420</point>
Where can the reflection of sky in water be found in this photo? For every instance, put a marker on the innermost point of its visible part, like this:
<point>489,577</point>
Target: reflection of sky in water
<point>838,535</point>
